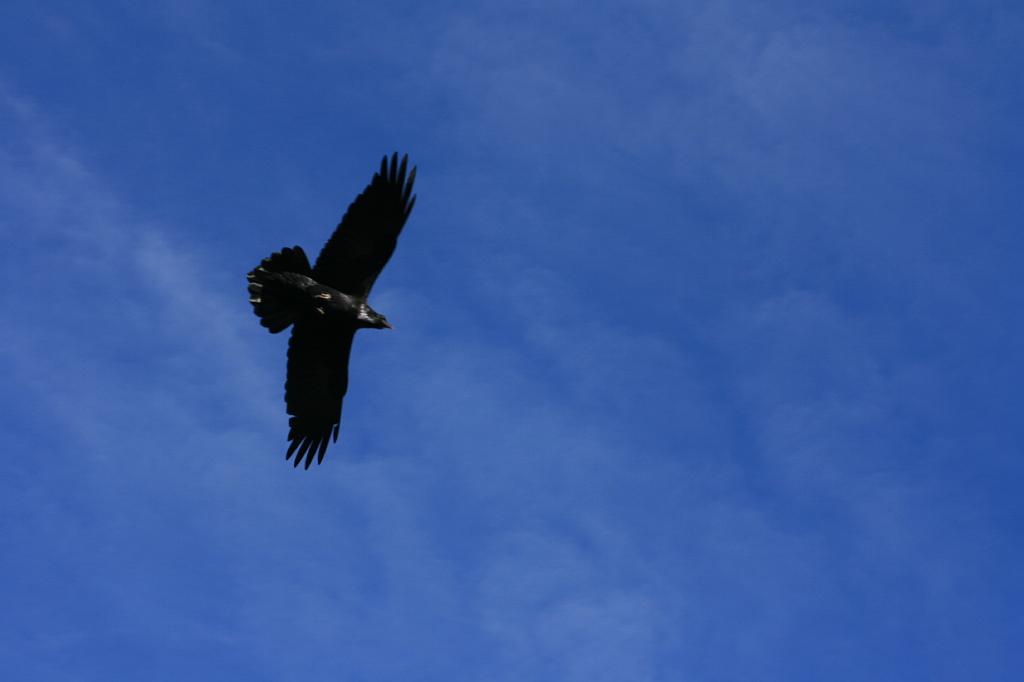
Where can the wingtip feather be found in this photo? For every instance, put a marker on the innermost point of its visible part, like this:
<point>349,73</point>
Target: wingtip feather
<point>311,453</point>
<point>407,192</point>
<point>400,180</point>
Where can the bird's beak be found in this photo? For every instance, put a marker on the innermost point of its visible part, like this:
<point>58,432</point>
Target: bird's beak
<point>388,324</point>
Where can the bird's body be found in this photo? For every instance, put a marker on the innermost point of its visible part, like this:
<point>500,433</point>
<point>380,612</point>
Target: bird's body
<point>308,300</point>
<point>326,304</point>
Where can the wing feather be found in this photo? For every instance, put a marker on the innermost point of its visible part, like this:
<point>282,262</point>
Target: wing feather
<point>317,380</point>
<point>366,237</point>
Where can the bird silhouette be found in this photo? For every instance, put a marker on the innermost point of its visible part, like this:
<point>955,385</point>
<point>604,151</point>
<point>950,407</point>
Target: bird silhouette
<point>326,304</point>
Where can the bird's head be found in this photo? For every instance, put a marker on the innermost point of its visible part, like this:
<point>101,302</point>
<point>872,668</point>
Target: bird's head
<point>368,317</point>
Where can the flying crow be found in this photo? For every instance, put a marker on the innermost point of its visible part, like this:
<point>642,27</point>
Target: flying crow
<point>326,304</point>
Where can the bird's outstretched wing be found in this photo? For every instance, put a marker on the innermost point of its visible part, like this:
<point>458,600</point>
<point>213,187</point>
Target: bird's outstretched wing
<point>365,239</point>
<point>316,384</point>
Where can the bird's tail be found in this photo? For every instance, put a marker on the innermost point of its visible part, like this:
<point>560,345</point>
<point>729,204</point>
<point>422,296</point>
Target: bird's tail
<point>276,288</point>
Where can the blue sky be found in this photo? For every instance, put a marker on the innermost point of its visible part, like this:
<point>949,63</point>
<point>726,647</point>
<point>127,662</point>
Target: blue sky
<point>706,362</point>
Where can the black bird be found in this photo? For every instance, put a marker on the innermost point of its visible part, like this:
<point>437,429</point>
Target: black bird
<point>327,304</point>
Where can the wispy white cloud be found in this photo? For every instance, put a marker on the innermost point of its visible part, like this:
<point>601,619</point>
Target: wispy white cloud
<point>820,132</point>
<point>171,428</point>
